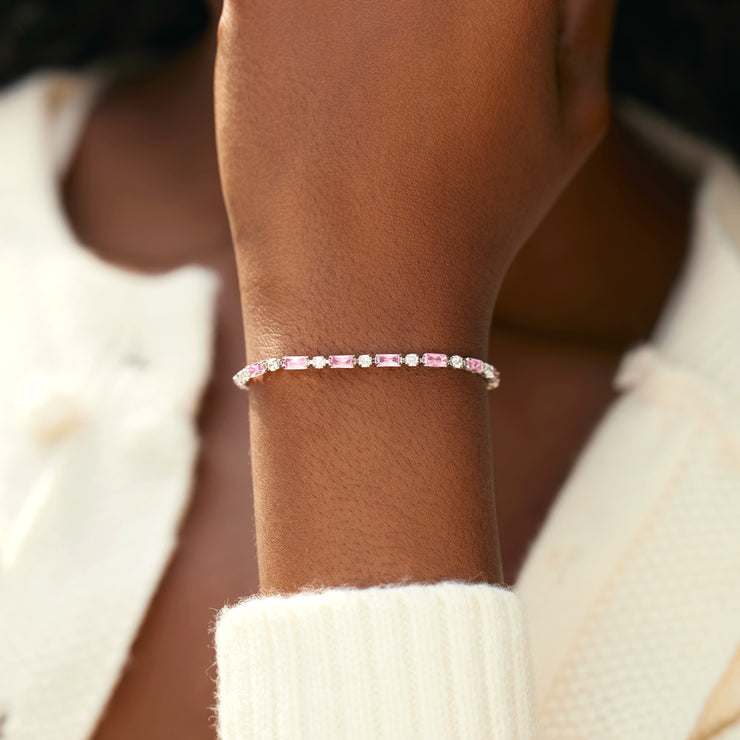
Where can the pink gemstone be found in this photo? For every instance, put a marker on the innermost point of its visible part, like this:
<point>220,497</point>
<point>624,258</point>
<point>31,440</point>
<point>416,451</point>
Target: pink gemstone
<point>434,359</point>
<point>475,366</point>
<point>295,362</point>
<point>341,360</point>
<point>255,369</point>
<point>388,360</point>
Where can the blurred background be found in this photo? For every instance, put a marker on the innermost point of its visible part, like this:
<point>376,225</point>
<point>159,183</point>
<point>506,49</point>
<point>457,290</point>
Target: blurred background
<point>680,57</point>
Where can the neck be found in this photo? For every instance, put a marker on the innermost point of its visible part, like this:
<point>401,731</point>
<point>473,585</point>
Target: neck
<point>144,186</point>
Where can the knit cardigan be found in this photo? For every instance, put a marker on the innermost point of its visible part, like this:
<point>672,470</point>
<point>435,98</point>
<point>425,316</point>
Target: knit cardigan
<point>624,624</point>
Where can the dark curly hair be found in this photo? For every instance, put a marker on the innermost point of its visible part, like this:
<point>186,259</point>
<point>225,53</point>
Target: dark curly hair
<point>680,57</point>
<point>74,33</point>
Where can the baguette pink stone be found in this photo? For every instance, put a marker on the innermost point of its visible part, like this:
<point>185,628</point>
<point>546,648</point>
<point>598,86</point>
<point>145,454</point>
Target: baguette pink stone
<point>295,362</point>
<point>388,360</point>
<point>434,359</point>
<point>429,359</point>
<point>341,360</point>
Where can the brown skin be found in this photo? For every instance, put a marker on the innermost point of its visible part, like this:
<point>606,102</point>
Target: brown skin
<point>381,168</point>
<point>620,225</point>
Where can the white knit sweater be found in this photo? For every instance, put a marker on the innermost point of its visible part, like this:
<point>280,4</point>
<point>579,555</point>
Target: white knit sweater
<point>625,623</point>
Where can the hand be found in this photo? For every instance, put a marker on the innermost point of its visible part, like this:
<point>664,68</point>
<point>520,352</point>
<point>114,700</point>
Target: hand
<point>389,158</point>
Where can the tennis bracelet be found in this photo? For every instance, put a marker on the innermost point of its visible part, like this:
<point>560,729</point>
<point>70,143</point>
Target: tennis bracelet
<point>426,359</point>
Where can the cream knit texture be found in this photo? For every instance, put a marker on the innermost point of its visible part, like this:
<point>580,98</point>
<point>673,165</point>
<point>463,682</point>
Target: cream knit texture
<point>625,622</point>
<point>327,664</point>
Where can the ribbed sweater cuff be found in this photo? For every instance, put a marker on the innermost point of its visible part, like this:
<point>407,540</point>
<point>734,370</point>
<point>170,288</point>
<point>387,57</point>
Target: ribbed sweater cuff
<point>444,660</point>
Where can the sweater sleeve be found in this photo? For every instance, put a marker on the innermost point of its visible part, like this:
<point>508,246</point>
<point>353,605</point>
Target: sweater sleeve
<point>444,660</point>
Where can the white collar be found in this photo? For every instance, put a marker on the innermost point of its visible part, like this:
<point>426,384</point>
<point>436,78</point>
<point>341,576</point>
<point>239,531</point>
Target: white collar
<point>169,315</point>
<point>624,483</point>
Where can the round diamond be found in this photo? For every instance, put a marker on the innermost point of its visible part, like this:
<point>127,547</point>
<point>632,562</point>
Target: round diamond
<point>241,377</point>
<point>487,371</point>
<point>365,360</point>
<point>273,363</point>
<point>412,360</point>
<point>318,361</point>
<point>456,361</point>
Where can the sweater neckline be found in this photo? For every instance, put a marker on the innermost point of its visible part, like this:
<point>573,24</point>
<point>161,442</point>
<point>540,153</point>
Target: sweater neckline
<point>689,328</point>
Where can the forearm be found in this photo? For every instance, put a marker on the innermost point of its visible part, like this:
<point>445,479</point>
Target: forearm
<point>377,475</point>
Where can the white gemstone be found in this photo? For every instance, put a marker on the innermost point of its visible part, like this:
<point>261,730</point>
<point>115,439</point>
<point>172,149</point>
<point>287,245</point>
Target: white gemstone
<point>411,360</point>
<point>365,360</point>
<point>273,363</point>
<point>487,371</point>
<point>318,361</point>
<point>456,361</point>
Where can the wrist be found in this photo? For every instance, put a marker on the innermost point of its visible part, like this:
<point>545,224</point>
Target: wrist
<point>337,327</point>
<point>334,304</point>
